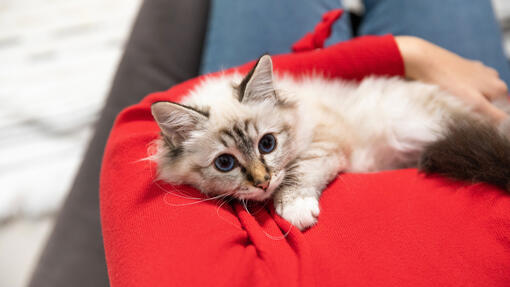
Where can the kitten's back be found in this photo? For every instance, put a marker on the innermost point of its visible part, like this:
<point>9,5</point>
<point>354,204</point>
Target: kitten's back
<point>386,122</point>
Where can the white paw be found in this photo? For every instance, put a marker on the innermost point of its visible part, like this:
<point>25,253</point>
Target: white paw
<point>302,212</point>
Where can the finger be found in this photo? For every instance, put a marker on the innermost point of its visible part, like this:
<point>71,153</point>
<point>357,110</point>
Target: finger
<point>494,88</point>
<point>492,72</point>
<point>500,88</point>
<point>493,113</point>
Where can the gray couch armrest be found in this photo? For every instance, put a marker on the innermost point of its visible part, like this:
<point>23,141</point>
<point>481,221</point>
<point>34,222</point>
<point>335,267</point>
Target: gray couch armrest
<point>164,49</point>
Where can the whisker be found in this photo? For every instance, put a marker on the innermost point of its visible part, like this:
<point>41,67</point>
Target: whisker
<point>176,192</point>
<point>228,199</point>
<point>221,204</point>
<point>243,201</point>
<point>196,202</point>
<point>272,237</point>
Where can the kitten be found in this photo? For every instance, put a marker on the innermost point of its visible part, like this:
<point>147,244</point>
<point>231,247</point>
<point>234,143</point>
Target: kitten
<point>265,136</point>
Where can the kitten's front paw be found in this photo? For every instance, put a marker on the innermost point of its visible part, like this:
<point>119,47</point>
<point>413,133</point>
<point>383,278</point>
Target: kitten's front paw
<point>302,212</point>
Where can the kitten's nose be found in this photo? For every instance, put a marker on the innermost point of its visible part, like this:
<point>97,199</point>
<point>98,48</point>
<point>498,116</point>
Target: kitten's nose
<point>263,184</point>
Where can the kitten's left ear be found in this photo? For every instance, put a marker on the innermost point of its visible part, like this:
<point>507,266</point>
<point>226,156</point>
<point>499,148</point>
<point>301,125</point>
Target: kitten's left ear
<point>176,121</point>
<point>258,84</point>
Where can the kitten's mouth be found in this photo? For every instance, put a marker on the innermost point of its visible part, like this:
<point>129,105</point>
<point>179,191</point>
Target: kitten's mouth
<point>259,194</point>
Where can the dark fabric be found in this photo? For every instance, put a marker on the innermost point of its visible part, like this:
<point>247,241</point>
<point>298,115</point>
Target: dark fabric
<point>164,49</point>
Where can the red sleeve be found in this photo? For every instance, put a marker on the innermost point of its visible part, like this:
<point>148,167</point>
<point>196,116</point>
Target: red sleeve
<point>360,57</point>
<point>352,60</point>
<point>156,234</point>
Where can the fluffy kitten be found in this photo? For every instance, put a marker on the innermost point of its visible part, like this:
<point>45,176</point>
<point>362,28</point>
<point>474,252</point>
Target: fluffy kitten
<point>267,136</point>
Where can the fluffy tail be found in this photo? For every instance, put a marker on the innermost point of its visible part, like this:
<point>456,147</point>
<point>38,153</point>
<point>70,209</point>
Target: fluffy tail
<point>470,150</point>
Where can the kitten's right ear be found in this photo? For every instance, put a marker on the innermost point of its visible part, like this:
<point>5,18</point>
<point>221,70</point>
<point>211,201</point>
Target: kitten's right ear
<point>176,121</point>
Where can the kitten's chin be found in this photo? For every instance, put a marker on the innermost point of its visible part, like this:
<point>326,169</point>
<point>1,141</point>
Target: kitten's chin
<point>255,194</point>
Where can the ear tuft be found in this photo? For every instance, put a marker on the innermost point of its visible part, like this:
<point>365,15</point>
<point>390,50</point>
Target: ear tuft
<point>258,84</point>
<point>176,121</point>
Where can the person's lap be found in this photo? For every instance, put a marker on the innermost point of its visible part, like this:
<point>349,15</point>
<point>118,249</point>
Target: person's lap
<point>242,31</point>
<point>465,27</point>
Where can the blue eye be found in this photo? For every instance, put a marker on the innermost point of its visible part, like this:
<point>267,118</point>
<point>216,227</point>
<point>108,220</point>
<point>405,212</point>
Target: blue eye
<point>267,143</point>
<point>225,162</point>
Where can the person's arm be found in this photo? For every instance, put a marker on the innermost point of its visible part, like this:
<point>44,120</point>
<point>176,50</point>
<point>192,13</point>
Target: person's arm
<point>352,60</point>
<point>469,80</point>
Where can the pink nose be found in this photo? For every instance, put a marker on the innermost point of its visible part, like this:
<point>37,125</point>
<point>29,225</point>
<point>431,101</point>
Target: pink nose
<point>264,184</point>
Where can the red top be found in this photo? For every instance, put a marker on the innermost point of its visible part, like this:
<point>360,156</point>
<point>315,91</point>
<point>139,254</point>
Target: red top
<point>395,228</point>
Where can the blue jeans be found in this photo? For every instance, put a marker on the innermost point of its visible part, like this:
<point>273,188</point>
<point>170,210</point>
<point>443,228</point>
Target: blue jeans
<point>240,31</point>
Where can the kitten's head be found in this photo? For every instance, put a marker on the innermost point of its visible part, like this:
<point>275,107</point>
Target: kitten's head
<point>241,143</point>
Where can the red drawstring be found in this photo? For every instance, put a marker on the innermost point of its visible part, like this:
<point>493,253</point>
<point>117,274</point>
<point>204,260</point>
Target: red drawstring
<point>322,31</point>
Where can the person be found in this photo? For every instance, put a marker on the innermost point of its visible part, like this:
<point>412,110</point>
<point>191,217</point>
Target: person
<point>239,32</point>
<point>372,231</point>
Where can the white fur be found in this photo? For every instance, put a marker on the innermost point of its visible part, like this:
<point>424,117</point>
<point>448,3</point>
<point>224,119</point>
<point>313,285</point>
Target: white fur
<point>387,117</point>
<point>302,212</point>
<point>354,6</point>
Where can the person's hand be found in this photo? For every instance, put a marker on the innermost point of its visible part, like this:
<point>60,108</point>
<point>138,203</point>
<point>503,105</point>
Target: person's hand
<point>474,83</point>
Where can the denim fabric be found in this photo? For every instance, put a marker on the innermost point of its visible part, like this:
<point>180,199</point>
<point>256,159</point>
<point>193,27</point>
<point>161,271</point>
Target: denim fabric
<point>466,27</point>
<point>240,31</point>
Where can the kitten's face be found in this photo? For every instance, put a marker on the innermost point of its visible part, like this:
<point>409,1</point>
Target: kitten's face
<point>241,147</point>
<point>245,157</point>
